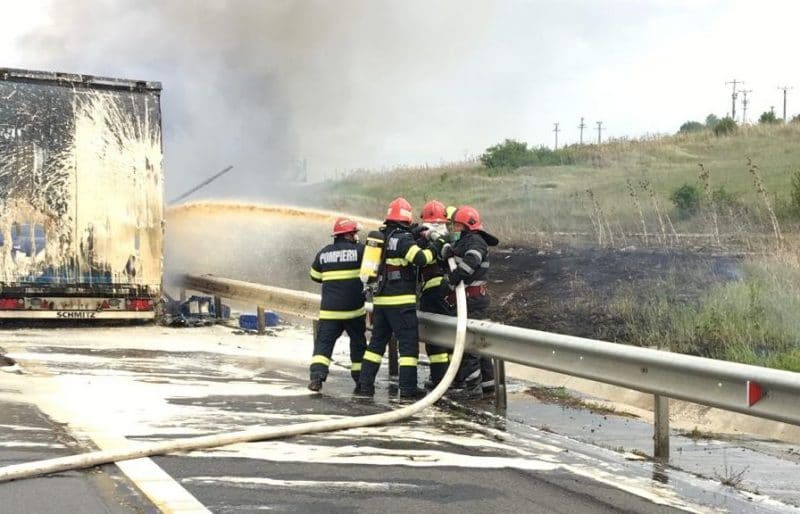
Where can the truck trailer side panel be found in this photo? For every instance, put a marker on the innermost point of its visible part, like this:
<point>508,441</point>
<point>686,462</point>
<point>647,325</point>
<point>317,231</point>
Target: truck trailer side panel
<point>81,187</point>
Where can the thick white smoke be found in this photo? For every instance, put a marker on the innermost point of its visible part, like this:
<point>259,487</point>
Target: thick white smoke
<point>263,85</point>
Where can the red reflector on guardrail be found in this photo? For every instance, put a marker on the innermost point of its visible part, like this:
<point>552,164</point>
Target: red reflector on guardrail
<point>754,393</point>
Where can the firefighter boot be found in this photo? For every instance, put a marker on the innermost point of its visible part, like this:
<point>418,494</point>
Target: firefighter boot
<point>315,384</point>
<point>408,381</point>
<point>470,374</point>
<point>366,379</point>
<point>487,376</point>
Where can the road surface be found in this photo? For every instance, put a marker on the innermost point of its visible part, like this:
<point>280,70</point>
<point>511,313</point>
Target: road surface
<point>109,387</point>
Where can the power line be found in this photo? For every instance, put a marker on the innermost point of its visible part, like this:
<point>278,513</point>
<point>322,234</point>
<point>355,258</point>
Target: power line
<point>599,131</point>
<point>785,89</point>
<point>734,94</point>
<point>745,102</point>
<point>556,130</point>
<point>582,126</point>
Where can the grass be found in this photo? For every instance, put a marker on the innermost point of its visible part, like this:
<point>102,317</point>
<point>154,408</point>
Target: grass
<point>753,320</point>
<point>730,476</point>
<point>618,194</point>
<point>561,396</point>
<point>552,199</point>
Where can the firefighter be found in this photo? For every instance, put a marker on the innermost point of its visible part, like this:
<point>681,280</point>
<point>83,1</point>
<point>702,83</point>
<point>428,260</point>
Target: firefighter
<point>470,248</point>
<point>395,301</point>
<point>337,267</point>
<point>433,289</point>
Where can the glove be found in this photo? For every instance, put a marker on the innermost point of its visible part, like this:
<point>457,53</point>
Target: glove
<point>446,251</point>
<point>453,279</point>
<point>438,245</point>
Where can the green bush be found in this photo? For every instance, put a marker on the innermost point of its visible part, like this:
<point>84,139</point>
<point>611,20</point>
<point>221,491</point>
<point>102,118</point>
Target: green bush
<point>687,200</point>
<point>514,154</point>
<point>547,157</point>
<point>509,154</point>
<point>796,119</point>
<point>711,121</point>
<point>768,117</point>
<point>691,126</point>
<point>727,200</point>
<point>725,126</point>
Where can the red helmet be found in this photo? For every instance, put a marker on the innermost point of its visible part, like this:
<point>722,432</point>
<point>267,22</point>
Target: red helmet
<point>344,226</point>
<point>469,217</point>
<point>399,210</point>
<point>434,212</point>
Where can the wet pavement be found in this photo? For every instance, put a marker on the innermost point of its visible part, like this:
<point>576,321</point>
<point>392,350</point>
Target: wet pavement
<point>766,467</point>
<point>115,386</point>
<point>27,435</point>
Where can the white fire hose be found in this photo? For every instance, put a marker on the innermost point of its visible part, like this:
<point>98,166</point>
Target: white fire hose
<point>87,460</point>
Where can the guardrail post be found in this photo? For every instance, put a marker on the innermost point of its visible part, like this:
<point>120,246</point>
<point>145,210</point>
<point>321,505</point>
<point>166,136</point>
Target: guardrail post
<point>500,397</point>
<point>661,433</point>
<point>262,323</point>
<point>217,307</point>
<point>394,369</point>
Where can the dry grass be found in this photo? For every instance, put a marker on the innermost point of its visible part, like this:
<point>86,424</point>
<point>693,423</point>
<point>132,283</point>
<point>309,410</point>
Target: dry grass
<point>617,189</point>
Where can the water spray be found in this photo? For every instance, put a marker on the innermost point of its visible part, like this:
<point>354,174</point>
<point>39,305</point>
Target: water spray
<point>234,207</point>
<point>91,459</point>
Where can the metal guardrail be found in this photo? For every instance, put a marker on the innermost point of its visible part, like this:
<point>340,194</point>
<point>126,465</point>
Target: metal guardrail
<point>753,390</point>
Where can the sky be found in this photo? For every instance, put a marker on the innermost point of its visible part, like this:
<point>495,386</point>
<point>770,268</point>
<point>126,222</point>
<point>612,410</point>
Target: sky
<point>373,84</point>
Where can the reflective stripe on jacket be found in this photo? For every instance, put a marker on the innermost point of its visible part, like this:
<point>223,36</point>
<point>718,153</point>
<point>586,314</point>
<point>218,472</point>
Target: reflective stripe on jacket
<point>337,267</point>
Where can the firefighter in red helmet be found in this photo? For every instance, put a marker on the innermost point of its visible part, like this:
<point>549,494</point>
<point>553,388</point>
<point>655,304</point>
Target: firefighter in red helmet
<point>337,267</point>
<point>395,301</point>
<point>470,249</point>
<point>433,288</point>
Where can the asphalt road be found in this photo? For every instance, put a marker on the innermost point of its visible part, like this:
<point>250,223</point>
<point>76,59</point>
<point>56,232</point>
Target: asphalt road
<point>111,387</point>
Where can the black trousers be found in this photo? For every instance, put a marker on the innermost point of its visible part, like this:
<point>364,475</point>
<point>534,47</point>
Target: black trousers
<point>438,356</point>
<point>402,322</point>
<point>328,332</point>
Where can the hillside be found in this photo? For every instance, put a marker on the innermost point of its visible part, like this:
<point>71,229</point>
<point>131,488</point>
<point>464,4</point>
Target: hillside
<point>600,191</point>
<point>598,248</point>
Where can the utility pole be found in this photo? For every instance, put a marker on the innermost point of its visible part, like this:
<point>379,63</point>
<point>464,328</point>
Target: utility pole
<point>785,89</point>
<point>582,126</point>
<point>734,94</point>
<point>599,131</point>
<point>556,130</point>
<point>745,101</point>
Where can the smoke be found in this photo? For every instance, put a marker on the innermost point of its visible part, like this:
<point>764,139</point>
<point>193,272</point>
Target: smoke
<point>263,85</point>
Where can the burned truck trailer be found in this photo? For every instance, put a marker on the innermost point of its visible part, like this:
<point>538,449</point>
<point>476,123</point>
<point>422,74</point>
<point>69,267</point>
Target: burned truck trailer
<point>81,196</point>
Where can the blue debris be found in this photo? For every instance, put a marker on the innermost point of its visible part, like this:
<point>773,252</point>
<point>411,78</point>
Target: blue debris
<point>250,321</point>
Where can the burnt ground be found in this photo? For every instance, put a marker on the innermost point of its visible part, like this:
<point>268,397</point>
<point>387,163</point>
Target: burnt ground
<point>572,290</point>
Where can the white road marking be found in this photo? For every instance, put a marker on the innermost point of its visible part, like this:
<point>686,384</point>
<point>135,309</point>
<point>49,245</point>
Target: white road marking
<point>26,444</point>
<point>163,490</point>
<point>347,485</point>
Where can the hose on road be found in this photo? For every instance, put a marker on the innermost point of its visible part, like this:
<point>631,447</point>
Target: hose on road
<point>91,459</point>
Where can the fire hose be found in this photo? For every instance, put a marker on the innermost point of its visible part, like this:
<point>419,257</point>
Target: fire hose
<point>91,459</point>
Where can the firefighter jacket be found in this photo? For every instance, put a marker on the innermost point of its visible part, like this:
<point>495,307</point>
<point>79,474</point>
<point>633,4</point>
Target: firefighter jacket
<point>337,267</point>
<point>431,278</point>
<point>471,253</point>
<point>397,280</point>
